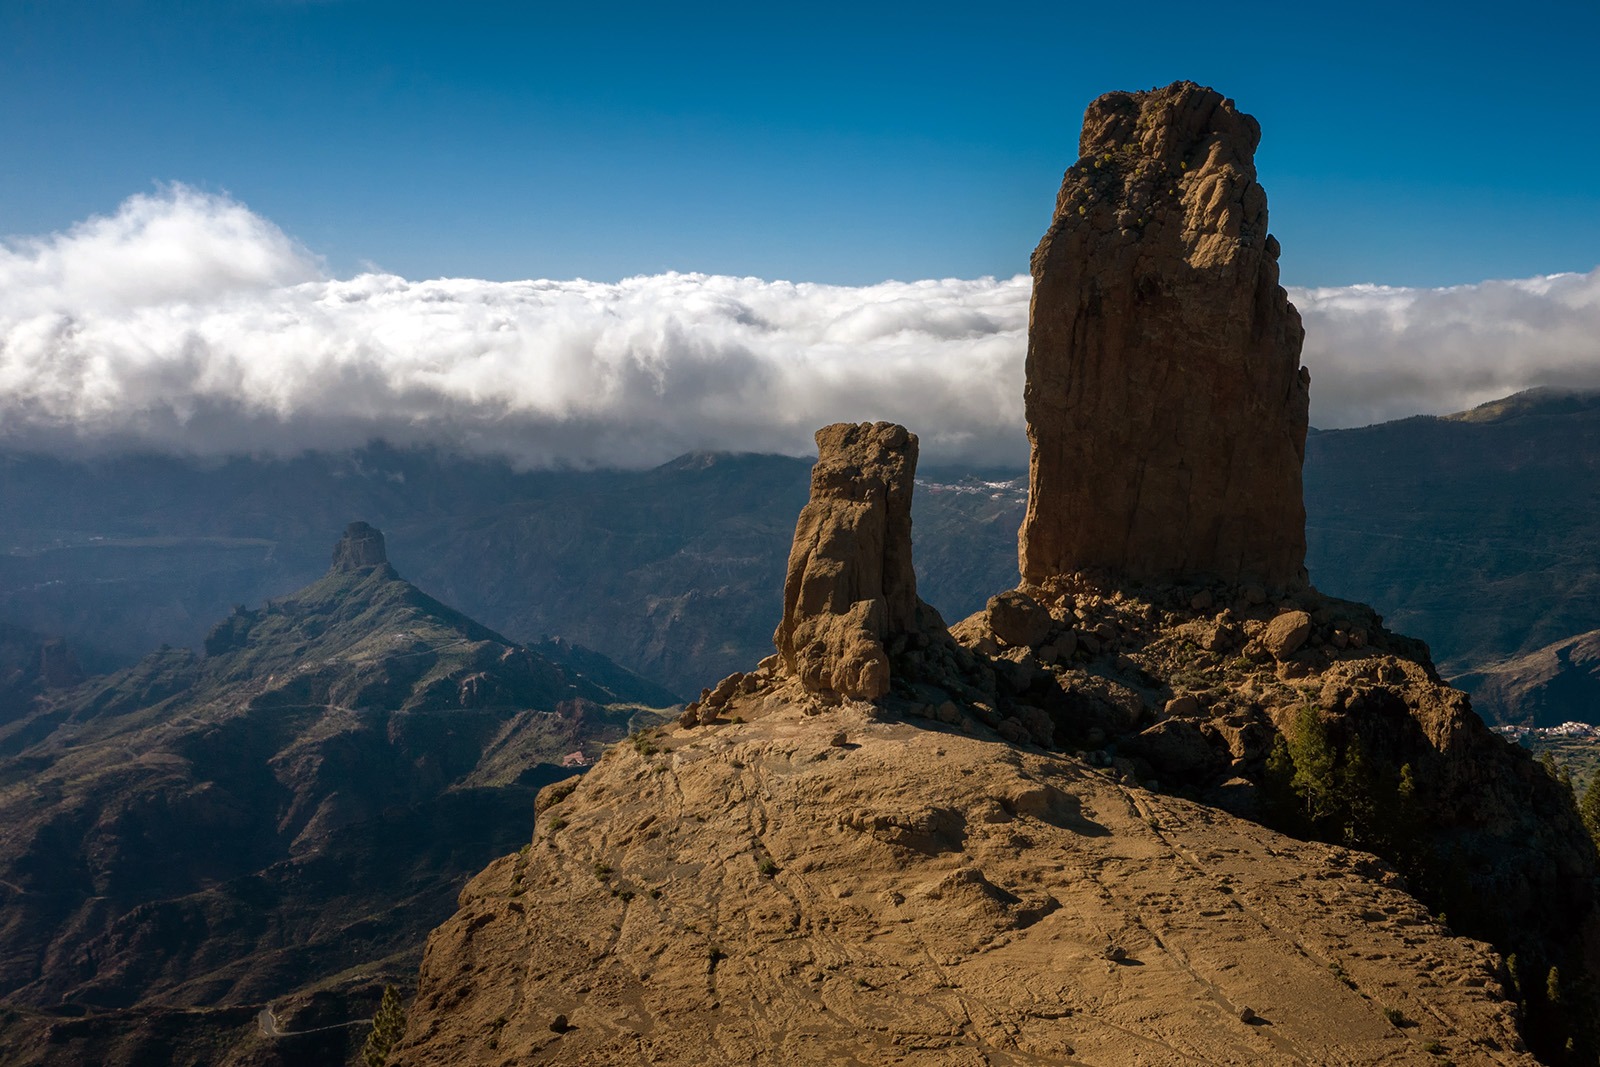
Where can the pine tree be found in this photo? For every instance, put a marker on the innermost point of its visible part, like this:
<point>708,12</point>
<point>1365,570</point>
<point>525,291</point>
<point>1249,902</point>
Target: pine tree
<point>387,1026</point>
<point>1590,809</point>
<point>1280,779</point>
<point>1407,789</point>
<point>1514,970</point>
<point>1313,766</point>
<point>1355,801</point>
<point>1388,814</point>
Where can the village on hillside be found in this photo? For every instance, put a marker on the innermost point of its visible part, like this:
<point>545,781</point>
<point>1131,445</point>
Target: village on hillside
<point>1572,745</point>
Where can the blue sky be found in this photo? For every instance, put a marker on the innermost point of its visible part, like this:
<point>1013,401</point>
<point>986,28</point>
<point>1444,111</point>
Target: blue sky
<point>841,143</point>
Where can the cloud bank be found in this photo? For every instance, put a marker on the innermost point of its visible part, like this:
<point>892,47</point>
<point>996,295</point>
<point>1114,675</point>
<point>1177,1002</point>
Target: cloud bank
<point>1378,353</point>
<point>186,323</point>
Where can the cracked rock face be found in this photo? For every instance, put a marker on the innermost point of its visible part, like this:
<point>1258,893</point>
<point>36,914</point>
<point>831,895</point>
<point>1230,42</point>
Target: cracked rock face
<point>850,588</point>
<point>1166,404</point>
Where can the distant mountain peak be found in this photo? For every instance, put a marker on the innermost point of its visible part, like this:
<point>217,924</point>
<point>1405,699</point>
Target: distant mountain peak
<point>360,547</point>
<point>356,748</point>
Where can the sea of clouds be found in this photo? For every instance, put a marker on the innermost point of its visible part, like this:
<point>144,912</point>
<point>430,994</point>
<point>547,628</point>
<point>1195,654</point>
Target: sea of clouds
<point>187,323</point>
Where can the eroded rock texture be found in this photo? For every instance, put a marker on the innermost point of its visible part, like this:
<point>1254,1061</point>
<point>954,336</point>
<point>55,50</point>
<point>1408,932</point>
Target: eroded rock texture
<point>1165,400</point>
<point>850,587</point>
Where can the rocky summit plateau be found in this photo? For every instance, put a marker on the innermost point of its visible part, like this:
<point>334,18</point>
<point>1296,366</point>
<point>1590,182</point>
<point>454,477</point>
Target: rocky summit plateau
<point>847,887</point>
<point>1163,803</point>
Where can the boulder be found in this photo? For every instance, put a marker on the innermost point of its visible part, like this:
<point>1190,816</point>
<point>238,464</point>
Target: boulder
<point>1040,727</point>
<point>1182,707</point>
<point>850,589</point>
<point>1177,748</point>
<point>1166,404</point>
<point>1016,619</point>
<point>1285,634</point>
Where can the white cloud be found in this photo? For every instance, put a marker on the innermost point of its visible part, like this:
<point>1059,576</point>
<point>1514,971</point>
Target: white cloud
<point>185,322</point>
<point>1379,353</point>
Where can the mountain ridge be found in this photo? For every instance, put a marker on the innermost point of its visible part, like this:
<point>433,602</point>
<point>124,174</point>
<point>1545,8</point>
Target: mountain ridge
<point>296,808</point>
<point>1470,534</point>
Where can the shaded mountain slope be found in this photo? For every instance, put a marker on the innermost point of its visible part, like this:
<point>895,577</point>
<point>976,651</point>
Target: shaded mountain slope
<point>301,801</point>
<point>1473,533</point>
<point>1546,687</point>
<point>1476,532</point>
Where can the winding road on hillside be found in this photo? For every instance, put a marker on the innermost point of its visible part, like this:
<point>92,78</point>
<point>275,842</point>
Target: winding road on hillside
<point>268,1021</point>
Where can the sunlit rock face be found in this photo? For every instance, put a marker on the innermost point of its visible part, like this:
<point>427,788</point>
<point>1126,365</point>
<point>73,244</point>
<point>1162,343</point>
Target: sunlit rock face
<point>1166,404</point>
<point>850,587</point>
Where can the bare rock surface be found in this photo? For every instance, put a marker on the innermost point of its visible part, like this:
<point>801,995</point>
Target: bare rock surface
<point>850,587</point>
<point>762,892</point>
<point>1285,634</point>
<point>1166,405</point>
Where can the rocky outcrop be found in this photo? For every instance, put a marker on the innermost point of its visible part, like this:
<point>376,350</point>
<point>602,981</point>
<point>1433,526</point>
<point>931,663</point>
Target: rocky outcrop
<point>360,547</point>
<point>58,665</point>
<point>30,666</point>
<point>1167,413</point>
<point>850,588</point>
<point>1165,400</point>
<point>1193,689</point>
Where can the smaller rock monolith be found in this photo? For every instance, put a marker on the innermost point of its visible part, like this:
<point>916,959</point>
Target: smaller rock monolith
<point>850,588</point>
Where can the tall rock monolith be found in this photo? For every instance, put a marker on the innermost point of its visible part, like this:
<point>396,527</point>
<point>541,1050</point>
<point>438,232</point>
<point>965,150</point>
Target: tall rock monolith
<point>850,588</point>
<point>1166,404</point>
